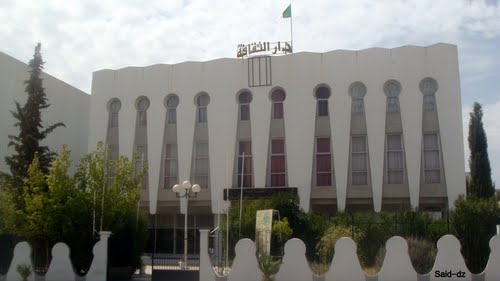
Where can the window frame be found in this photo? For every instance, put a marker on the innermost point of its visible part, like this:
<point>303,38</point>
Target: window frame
<point>365,154</point>
<point>201,178</point>
<point>278,155</point>
<point>247,171</point>
<point>323,153</point>
<point>428,179</point>
<point>389,151</point>
<point>168,159</point>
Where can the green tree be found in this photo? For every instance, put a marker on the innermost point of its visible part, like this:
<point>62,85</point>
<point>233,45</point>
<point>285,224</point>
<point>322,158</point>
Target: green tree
<point>112,187</point>
<point>480,183</point>
<point>474,223</point>
<point>31,129</point>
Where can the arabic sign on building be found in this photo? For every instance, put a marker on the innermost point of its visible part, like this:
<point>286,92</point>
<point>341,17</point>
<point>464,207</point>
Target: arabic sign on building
<point>264,47</point>
<point>263,229</point>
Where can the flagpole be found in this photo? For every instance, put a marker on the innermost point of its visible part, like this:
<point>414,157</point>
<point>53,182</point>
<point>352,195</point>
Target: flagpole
<point>291,31</point>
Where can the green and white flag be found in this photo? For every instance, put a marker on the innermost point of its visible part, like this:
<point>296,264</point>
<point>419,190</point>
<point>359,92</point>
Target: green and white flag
<point>288,12</point>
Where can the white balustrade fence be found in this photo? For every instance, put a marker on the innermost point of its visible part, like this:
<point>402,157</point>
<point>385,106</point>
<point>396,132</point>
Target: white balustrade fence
<point>449,264</point>
<point>60,268</point>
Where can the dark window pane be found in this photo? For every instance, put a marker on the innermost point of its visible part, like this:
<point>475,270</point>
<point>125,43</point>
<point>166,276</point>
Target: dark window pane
<point>278,164</point>
<point>323,163</point>
<point>324,179</point>
<point>278,180</point>
<point>172,116</point>
<point>245,146</point>
<point>245,97</point>
<point>202,115</point>
<point>278,96</point>
<point>248,165</point>
<point>278,147</point>
<point>247,181</point>
<point>278,110</point>
<point>323,108</point>
<point>323,145</point>
<point>322,93</point>
<point>203,100</point>
<point>244,112</point>
<point>172,102</point>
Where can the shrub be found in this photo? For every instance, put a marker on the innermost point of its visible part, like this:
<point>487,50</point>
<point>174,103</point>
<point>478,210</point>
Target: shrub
<point>24,271</point>
<point>474,223</point>
<point>269,266</point>
<point>325,248</point>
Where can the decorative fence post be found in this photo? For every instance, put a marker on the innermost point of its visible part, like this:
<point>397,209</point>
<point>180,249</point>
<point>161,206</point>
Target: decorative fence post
<point>206,271</point>
<point>22,256</point>
<point>99,267</point>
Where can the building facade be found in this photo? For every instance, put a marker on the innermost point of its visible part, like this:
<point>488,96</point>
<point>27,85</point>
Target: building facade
<point>372,130</point>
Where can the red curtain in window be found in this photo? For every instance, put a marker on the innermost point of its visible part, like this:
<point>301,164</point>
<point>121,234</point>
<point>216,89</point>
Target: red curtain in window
<point>278,147</point>
<point>278,180</point>
<point>324,179</point>
<point>278,164</point>
<point>245,146</point>
<point>323,145</point>
<point>278,110</point>
<point>323,163</point>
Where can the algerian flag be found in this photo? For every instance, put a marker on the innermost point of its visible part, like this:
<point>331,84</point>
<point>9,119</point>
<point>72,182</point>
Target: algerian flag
<point>288,12</point>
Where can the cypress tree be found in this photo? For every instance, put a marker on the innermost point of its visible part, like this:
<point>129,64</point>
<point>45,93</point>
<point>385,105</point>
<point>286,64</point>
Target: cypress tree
<point>480,184</point>
<point>31,130</point>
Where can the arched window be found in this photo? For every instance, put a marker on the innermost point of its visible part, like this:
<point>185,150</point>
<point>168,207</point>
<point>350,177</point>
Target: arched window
<point>171,102</point>
<point>142,107</point>
<point>278,96</point>
<point>392,88</point>
<point>114,107</point>
<point>322,95</point>
<point>244,99</point>
<point>202,102</point>
<point>357,90</point>
<point>429,87</point>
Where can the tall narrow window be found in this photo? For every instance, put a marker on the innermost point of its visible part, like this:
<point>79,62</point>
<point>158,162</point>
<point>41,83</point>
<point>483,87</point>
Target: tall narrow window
<point>278,163</point>
<point>392,88</point>
<point>201,165</point>
<point>142,107</point>
<point>357,91</point>
<point>245,163</point>
<point>172,102</point>
<point>278,96</point>
<point>114,108</point>
<point>432,166</point>
<point>245,98</point>
<point>359,159</point>
<point>171,170</point>
<point>323,162</point>
<point>322,95</point>
<point>202,103</point>
<point>429,87</point>
<point>394,159</point>
<point>142,159</point>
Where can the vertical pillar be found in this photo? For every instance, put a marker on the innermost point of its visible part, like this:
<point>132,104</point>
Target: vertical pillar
<point>206,271</point>
<point>99,267</point>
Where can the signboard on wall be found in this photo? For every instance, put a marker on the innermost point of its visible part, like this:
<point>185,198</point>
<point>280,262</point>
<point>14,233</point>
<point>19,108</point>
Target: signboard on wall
<point>263,229</point>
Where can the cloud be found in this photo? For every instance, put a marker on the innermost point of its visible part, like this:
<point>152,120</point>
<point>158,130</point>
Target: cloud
<point>80,37</point>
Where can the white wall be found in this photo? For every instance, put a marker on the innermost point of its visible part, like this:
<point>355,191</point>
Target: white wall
<point>298,74</point>
<point>67,104</point>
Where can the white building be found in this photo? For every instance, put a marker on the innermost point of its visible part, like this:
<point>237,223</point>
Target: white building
<point>373,129</point>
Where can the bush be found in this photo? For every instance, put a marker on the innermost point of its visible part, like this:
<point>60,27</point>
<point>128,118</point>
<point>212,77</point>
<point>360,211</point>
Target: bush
<point>325,248</point>
<point>474,223</point>
<point>269,267</point>
<point>422,254</point>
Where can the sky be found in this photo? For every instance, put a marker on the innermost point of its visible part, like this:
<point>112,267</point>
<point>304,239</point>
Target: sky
<point>79,37</point>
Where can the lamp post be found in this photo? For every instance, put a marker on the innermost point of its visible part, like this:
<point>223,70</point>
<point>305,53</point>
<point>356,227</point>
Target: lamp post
<point>183,191</point>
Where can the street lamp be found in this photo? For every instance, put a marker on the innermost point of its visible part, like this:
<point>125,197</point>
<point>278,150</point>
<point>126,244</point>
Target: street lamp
<point>182,191</point>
